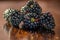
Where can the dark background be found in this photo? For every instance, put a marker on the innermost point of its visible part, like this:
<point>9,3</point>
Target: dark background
<point>47,5</point>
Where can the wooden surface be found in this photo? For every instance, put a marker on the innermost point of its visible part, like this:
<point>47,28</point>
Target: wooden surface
<point>52,6</point>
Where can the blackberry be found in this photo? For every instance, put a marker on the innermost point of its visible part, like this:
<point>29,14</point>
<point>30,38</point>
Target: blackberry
<point>13,16</point>
<point>31,7</point>
<point>16,19</point>
<point>47,20</point>
<point>31,21</point>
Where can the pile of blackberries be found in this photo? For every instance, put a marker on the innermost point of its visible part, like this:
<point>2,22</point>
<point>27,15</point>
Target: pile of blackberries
<point>32,17</point>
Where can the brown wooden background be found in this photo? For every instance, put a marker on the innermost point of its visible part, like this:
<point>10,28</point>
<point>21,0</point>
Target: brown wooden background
<point>47,5</point>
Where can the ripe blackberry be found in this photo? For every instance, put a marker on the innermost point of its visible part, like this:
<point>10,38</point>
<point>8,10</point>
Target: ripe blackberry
<point>31,21</point>
<point>31,7</point>
<point>47,20</point>
<point>13,16</point>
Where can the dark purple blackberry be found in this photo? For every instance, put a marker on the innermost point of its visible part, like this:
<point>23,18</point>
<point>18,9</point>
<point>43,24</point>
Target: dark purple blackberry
<point>47,20</point>
<point>32,7</point>
<point>16,19</point>
<point>31,22</point>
